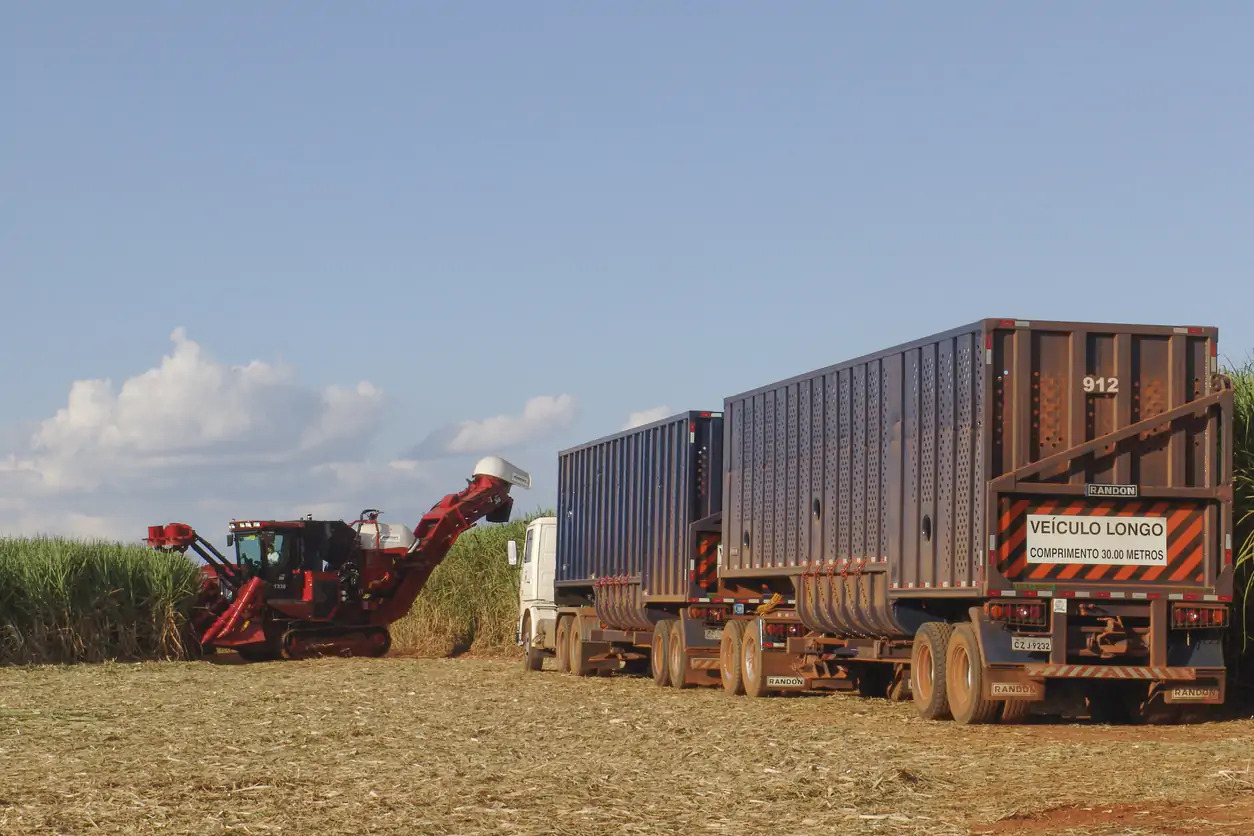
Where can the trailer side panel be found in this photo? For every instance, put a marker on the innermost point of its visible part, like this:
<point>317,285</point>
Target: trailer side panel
<point>625,504</point>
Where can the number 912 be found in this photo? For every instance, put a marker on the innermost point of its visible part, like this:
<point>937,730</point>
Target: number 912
<point>1101,385</point>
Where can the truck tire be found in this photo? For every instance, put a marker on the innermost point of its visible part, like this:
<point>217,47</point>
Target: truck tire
<point>658,658</point>
<point>578,665</point>
<point>562,644</point>
<point>1149,708</point>
<point>729,657</point>
<point>752,675</point>
<point>677,657</point>
<point>964,679</point>
<point>927,670</point>
<point>1015,711</point>
<point>899,691</point>
<point>533,659</point>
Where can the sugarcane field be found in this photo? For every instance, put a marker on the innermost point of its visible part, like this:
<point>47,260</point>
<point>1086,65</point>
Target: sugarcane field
<point>576,419</point>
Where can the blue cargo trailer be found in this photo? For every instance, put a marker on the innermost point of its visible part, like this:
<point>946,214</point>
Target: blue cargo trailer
<point>638,521</point>
<point>624,510</point>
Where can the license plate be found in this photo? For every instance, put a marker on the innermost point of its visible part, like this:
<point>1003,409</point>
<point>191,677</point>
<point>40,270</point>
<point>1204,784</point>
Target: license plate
<point>713,635</point>
<point>1031,644</point>
<point>785,681</point>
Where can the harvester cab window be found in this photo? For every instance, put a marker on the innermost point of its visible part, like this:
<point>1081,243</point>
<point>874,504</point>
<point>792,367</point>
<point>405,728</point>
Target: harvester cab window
<point>268,554</point>
<point>248,552</point>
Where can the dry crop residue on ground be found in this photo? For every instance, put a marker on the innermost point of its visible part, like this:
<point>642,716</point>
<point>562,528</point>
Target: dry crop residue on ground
<point>417,746</point>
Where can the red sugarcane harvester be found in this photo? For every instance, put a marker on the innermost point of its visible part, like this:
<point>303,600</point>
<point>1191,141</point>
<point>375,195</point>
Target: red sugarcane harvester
<point>302,588</point>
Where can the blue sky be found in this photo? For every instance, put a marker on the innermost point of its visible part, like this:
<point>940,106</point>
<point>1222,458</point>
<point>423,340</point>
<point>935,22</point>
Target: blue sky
<point>448,210</point>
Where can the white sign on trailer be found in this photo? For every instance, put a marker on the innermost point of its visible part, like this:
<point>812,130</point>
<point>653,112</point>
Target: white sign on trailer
<point>1126,541</point>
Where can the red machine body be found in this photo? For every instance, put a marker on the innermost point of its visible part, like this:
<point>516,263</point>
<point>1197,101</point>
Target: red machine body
<point>299,588</point>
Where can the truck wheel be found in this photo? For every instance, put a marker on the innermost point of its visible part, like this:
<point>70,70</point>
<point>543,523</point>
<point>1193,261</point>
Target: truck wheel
<point>578,665</point>
<point>964,679</point>
<point>729,657</point>
<point>1146,705</point>
<point>658,659</point>
<point>677,658</point>
<point>927,670</point>
<point>533,659</point>
<point>899,691</point>
<point>751,662</point>
<point>562,643</point>
<point>1015,711</point>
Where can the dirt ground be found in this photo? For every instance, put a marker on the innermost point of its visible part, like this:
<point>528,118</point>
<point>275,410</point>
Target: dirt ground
<point>472,746</point>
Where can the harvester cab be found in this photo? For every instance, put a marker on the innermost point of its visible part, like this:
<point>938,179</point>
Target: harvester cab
<point>273,550</point>
<point>307,587</point>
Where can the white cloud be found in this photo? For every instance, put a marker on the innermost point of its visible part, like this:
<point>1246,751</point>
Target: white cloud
<point>542,416</point>
<point>354,476</point>
<point>192,411</point>
<point>343,415</point>
<point>646,416</point>
<point>200,440</point>
<point>36,522</point>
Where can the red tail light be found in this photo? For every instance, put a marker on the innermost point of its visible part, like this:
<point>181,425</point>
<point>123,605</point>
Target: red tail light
<point>1019,613</point>
<point>1192,617</point>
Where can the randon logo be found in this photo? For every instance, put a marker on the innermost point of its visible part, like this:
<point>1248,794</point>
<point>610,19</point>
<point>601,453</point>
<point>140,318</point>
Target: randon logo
<point>1015,689</point>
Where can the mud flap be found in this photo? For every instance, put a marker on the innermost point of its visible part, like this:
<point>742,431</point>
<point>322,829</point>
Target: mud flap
<point>1012,684</point>
<point>701,643</point>
<point>544,634</point>
<point>1004,682</point>
<point>1202,691</point>
<point>780,671</point>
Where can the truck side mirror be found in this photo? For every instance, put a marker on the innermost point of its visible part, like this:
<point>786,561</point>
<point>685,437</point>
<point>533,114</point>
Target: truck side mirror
<point>230,540</point>
<point>511,549</point>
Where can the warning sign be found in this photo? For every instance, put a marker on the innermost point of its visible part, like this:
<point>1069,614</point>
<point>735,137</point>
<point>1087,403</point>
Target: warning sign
<point>1128,541</point>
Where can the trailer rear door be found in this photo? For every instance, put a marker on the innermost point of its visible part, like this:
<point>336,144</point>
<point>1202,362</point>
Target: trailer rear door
<point>1109,459</point>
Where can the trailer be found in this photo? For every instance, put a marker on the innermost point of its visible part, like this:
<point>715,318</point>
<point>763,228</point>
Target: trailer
<point>1008,516</point>
<point>633,542</point>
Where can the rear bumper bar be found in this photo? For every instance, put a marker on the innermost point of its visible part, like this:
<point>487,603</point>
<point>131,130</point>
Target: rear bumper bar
<point>1177,684</point>
<point>1038,671</point>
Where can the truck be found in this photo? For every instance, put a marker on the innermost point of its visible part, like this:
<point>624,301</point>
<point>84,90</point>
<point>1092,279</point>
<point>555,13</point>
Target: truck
<point>1008,517</point>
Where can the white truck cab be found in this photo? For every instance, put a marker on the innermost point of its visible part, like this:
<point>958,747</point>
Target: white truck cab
<point>537,607</point>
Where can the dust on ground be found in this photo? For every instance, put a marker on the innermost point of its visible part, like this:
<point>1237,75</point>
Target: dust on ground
<point>477,746</point>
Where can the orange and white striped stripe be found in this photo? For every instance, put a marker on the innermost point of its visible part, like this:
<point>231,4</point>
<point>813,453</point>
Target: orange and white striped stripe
<point>1109,671</point>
